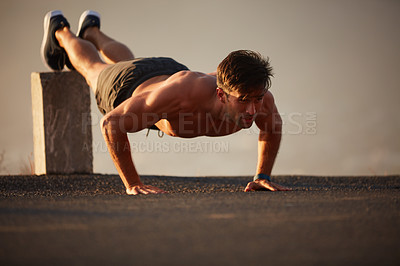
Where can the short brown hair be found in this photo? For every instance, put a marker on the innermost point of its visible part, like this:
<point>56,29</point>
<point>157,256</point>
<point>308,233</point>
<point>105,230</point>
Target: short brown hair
<point>244,69</point>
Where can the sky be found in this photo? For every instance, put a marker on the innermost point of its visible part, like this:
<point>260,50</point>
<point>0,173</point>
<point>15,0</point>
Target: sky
<point>336,84</point>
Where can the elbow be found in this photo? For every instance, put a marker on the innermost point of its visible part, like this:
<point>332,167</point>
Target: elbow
<point>107,125</point>
<point>103,123</point>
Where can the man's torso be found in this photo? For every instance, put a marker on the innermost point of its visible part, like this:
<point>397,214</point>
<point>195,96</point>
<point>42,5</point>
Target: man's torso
<point>195,116</point>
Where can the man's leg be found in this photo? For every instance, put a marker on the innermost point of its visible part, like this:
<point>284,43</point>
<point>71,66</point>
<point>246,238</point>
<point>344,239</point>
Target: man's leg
<point>82,54</point>
<point>111,50</point>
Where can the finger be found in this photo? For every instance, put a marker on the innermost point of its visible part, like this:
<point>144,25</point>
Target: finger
<point>281,188</point>
<point>149,189</point>
<point>155,190</point>
<point>159,190</point>
<point>270,187</point>
<point>249,187</point>
<point>285,189</point>
<point>142,191</point>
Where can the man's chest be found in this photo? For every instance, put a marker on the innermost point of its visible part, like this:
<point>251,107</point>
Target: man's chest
<point>195,125</point>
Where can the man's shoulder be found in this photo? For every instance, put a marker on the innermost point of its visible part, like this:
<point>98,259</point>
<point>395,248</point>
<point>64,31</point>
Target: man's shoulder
<point>268,105</point>
<point>185,88</point>
<point>191,88</point>
<point>269,98</point>
<point>194,83</point>
<point>193,77</point>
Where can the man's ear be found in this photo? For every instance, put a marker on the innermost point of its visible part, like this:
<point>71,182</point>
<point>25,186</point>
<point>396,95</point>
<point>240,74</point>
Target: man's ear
<point>221,95</point>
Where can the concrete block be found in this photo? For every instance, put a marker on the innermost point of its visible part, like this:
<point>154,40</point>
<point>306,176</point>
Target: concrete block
<point>62,134</point>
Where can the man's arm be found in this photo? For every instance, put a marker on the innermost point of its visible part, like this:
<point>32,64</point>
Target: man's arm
<point>118,145</point>
<point>270,125</point>
<point>133,115</point>
<point>268,145</point>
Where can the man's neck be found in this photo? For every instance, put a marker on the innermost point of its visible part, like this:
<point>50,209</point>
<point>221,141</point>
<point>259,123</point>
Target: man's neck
<point>217,110</point>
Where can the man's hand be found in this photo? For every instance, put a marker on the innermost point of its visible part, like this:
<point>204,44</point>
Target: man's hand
<point>144,189</point>
<point>262,184</point>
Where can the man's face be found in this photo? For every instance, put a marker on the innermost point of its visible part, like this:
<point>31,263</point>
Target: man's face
<point>242,109</point>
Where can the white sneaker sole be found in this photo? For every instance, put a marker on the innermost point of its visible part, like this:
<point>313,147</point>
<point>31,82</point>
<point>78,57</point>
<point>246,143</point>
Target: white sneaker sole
<point>83,16</point>
<point>46,23</point>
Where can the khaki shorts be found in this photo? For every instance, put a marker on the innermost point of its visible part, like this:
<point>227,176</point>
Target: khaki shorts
<point>117,82</point>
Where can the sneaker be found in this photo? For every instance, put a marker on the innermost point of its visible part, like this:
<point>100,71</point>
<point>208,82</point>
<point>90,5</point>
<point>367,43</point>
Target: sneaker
<point>89,18</point>
<point>52,54</point>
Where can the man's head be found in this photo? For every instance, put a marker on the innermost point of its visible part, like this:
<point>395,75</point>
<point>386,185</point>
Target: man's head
<point>243,78</point>
<point>242,71</point>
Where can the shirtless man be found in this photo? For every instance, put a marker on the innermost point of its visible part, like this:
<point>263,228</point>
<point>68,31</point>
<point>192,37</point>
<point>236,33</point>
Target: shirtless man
<point>159,93</point>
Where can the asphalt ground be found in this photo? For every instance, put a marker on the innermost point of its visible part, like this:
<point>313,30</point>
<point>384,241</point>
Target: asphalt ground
<point>88,220</point>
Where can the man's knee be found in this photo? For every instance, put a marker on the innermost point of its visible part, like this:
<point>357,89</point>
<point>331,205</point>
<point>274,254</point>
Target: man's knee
<point>93,74</point>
